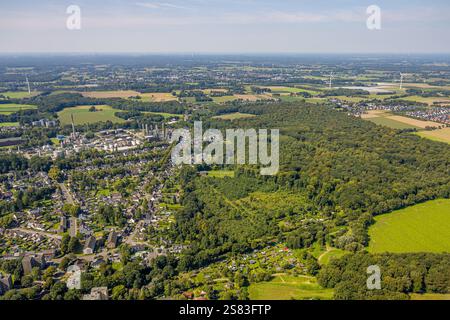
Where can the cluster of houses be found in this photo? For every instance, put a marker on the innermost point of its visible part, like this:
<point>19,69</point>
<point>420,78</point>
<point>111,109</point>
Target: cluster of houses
<point>437,114</point>
<point>44,123</point>
<point>360,108</point>
<point>26,239</point>
<point>91,242</point>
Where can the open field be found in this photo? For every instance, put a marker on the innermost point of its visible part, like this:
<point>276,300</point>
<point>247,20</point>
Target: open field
<point>281,89</point>
<point>13,107</point>
<point>234,116</point>
<point>111,94</point>
<point>157,97</point>
<point>82,115</point>
<point>289,98</point>
<point>373,114</point>
<point>165,114</point>
<point>9,124</point>
<point>284,287</point>
<point>221,173</point>
<point>441,135</point>
<point>424,227</point>
<point>332,253</point>
<point>428,100</point>
<point>19,94</point>
<point>415,122</point>
<point>253,97</point>
<point>362,98</point>
<point>245,97</point>
<point>224,99</point>
<point>430,296</point>
<point>386,121</point>
<point>351,99</point>
<point>382,117</point>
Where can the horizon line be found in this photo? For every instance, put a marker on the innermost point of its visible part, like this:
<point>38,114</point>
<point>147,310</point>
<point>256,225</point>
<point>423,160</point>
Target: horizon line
<point>215,53</point>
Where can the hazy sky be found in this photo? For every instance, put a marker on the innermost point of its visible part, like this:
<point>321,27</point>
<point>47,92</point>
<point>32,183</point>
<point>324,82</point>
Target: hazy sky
<point>229,26</point>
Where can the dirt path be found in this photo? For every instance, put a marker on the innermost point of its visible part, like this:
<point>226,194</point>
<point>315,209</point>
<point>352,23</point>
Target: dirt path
<point>321,256</point>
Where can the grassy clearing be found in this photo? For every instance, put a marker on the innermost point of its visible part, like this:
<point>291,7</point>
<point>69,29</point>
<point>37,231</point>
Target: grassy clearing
<point>253,97</point>
<point>9,108</point>
<point>82,115</point>
<point>421,228</point>
<point>234,116</point>
<point>111,94</point>
<point>281,89</point>
<point>165,114</point>
<point>332,253</point>
<point>224,99</point>
<point>441,135</point>
<point>221,173</point>
<point>394,124</point>
<point>285,287</point>
<point>157,97</point>
<point>415,122</point>
<point>428,100</point>
<point>18,94</point>
<point>9,124</point>
<point>430,296</point>
<point>386,119</point>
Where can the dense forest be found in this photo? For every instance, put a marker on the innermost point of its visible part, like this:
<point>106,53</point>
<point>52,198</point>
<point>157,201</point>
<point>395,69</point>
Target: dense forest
<point>401,274</point>
<point>336,173</point>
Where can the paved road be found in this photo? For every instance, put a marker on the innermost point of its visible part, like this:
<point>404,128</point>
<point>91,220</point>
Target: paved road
<point>66,193</point>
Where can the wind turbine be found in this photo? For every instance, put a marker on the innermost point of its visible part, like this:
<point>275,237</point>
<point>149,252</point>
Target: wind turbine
<point>331,76</point>
<point>28,85</point>
<point>401,80</point>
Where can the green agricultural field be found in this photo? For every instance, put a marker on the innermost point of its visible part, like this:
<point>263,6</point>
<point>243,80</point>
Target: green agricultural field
<point>280,89</point>
<point>223,99</point>
<point>421,228</point>
<point>234,116</point>
<point>382,121</point>
<point>82,115</point>
<point>284,287</point>
<point>9,108</point>
<point>430,296</point>
<point>221,173</point>
<point>441,135</point>
<point>289,98</point>
<point>165,114</point>
<point>9,124</point>
<point>157,97</point>
<point>18,94</point>
<point>427,100</point>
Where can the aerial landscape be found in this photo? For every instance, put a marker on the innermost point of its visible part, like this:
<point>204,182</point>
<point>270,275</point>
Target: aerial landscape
<point>95,204</point>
